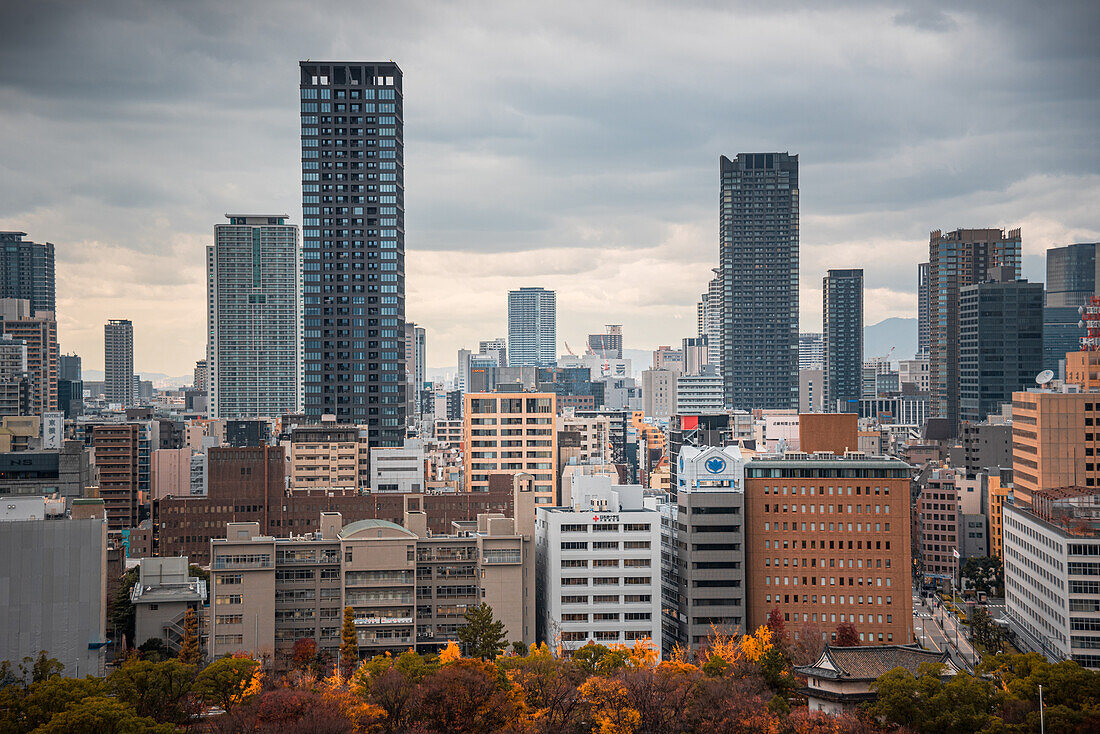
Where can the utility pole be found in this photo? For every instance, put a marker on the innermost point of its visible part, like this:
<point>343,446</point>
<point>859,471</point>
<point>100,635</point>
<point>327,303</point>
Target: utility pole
<point>1042,719</point>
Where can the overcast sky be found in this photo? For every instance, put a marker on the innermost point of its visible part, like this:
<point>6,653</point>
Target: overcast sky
<point>571,145</point>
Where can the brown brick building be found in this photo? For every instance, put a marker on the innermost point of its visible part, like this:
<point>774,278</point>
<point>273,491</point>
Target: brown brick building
<point>248,485</point>
<point>117,449</point>
<point>827,541</point>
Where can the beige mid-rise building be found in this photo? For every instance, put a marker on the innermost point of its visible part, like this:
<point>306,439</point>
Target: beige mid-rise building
<point>1055,438</point>
<point>511,432</point>
<point>328,456</point>
<point>407,588</point>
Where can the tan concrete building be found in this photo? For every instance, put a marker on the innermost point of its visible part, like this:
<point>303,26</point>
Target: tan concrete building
<point>511,432</point>
<point>998,491</point>
<point>171,473</point>
<point>594,436</point>
<point>827,541</point>
<point>408,588</point>
<point>328,456</point>
<point>1055,437</point>
<point>448,433</point>
<point>1083,368</point>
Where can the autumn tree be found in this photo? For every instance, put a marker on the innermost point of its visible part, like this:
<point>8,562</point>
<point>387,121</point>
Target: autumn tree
<point>100,714</point>
<point>391,683</point>
<point>303,656</point>
<point>846,635</point>
<point>227,681</point>
<point>158,690</point>
<point>190,653</point>
<point>286,711</point>
<point>349,643</point>
<point>466,697</point>
<point>778,627</point>
<point>807,644</point>
<point>549,687</point>
<point>482,636</point>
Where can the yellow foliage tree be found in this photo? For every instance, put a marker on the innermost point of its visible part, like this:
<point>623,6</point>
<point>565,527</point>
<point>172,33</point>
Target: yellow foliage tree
<point>643,654</point>
<point>757,645</point>
<point>610,704</point>
<point>450,653</point>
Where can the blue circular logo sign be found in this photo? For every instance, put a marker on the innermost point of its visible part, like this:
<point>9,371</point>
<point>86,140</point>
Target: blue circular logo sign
<point>714,465</point>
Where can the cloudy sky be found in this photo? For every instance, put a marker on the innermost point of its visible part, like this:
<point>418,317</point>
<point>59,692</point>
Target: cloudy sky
<point>572,145</point>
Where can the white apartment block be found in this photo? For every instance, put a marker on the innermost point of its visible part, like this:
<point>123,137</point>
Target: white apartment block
<point>700,394</point>
<point>599,567</point>
<point>1052,574</point>
<point>595,435</point>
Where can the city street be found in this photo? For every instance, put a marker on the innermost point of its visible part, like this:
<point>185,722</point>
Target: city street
<point>937,629</point>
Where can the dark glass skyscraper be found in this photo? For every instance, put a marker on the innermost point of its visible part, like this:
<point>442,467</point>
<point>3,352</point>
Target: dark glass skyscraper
<point>956,260</point>
<point>1000,342</point>
<point>1071,274</point>
<point>26,271</point>
<point>842,321</point>
<point>759,271</point>
<point>353,245</point>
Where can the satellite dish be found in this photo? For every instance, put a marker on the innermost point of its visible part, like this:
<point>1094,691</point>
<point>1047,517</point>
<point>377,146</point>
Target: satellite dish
<point>1044,377</point>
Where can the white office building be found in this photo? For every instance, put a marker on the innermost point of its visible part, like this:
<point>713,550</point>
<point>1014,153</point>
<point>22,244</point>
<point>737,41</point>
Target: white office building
<point>599,565</point>
<point>253,318</point>
<point>700,394</point>
<point>398,469</point>
<point>1052,574</point>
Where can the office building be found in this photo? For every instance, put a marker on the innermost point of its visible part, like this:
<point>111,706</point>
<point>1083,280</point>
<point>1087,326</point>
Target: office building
<point>608,344</point>
<point>1052,595</point>
<point>1072,275</point>
<point>759,262</point>
<point>924,328</point>
<point>855,566</point>
<point>956,260</point>
<point>811,390</point>
<point>419,362</point>
<point>1000,342</point>
<point>38,331</point>
<point>398,469</point>
<point>16,383</point>
<point>497,347</point>
<point>118,366</point>
<point>842,321</point>
<point>511,432</point>
<point>599,567</point>
<point>329,456</point>
<point>353,245</point>
<point>695,353</point>
<point>659,392</point>
<point>26,271</point>
<point>123,460</point>
<point>408,588</point>
<point>999,489</point>
<point>69,367</point>
<point>590,440</point>
<point>253,352</point>
<point>914,372</point>
<point>532,327</point>
<point>1062,332</point>
<point>703,568</point>
<point>54,571</point>
<point>667,358</point>
<point>701,393</point>
<point>1055,441</point>
<point>811,351</point>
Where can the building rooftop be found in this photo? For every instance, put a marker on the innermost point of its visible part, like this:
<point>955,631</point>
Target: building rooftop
<point>869,662</point>
<point>1075,510</point>
<point>372,524</point>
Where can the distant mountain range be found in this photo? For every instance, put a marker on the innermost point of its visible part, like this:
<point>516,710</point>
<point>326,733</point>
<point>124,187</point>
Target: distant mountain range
<point>901,334</point>
<point>159,378</point>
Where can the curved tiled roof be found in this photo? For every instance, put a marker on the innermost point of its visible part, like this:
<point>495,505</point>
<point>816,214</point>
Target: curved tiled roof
<point>871,661</point>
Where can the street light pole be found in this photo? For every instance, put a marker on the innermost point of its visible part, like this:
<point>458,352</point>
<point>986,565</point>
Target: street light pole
<point>1042,719</point>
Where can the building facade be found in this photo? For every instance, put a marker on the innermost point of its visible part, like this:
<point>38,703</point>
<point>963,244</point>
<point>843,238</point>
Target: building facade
<point>659,392</point>
<point>532,327</point>
<point>38,331</point>
<point>118,366</point>
<point>353,245</point>
<point>598,567</point>
<point>1072,274</point>
<point>1055,441</point>
<point>1000,343</point>
<point>253,318</point>
<point>26,271</point>
<point>328,456</point>
<point>511,432</point>
<point>827,541</point>
<point>956,260</point>
<point>759,271</point>
<point>924,328</point>
<point>842,321</point>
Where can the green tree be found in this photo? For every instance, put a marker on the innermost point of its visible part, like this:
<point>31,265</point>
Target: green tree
<point>158,690</point>
<point>927,704</point>
<point>122,609</point>
<point>102,715</point>
<point>985,574</point>
<point>226,681</point>
<point>190,653</point>
<point>482,636</point>
<point>154,649</point>
<point>23,709</point>
<point>40,668</point>
<point>349,643</point>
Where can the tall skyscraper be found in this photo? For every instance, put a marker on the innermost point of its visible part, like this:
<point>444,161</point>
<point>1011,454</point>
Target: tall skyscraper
<point>956,260</point>
<point>923,328</point>
<point>26,271</point>
<point>415,342</point>
<point>1073,273</point>
<point>842,321</point>
<point>69,367</point>
<point>353,245</point>
<point>811,351</point>
<point>118,362</point>
<point>38,331</point>
<point>608,344</point>
<point>201,378</point>
<point>253,318</point>
<point>532,327</point>
<point>759,259</point>
<point>1000,342</point>
<point>709,313</point>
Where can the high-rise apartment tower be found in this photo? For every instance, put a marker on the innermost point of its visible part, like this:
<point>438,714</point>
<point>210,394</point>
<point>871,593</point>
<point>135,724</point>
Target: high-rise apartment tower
<point>353,245</point>
<point>532,327</point>
<point>842,321</point>
<point>759,271</point>
<point>118,362</point>
<point>26,271</point>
